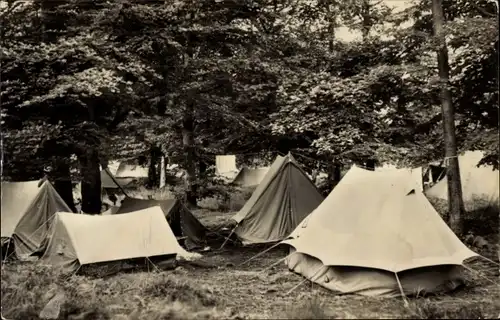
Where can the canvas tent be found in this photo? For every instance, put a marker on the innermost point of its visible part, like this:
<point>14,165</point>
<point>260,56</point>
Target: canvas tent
<point>477,182</point>
<point>225,166</point>
<point>27,212</point>
<point>182,222</point>
<point>131,171</point>
<point>79,239</point>
<point>250,177</point>
<point>108,183</point>
<point>415,174</point>
<point>372,232</point>
<point>284,197</point>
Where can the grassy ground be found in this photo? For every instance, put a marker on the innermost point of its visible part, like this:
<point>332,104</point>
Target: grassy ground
<point>219,287</point>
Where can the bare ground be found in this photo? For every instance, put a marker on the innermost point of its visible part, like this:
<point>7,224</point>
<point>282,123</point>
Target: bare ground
<point>219,286</point>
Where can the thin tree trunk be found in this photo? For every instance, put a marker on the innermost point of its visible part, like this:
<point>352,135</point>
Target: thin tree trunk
<point>189,154</point>
<point>455,200</point>
<point>153,168</point>
<point>202,166</point>
<point>336,173</point>
<point>367,19</point>
<point>331,27</point>
<point>370,164</point>
<point>91,183</point>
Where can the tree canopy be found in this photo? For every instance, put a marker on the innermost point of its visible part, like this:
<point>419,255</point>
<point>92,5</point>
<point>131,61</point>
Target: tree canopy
<point>208,77</point>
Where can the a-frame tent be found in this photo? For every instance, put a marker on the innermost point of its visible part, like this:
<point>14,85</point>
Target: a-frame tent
<point>477,182</point>
<point>182,221</point>
<point>376,235</point>
<point>27,212</point>
<point>80,239</point>
<point>282,200</point>
<point>108,183</point>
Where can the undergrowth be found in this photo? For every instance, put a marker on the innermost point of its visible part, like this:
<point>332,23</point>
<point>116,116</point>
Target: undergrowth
<point>426,309</point>
<point>309,309</point>
<point>27,289</point>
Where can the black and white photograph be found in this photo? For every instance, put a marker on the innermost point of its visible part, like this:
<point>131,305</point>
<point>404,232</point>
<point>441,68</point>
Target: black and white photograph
<point>249,159</point>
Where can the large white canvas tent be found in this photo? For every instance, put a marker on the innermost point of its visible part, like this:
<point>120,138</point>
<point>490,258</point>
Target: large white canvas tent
<point>79,239</point>
<point>477,182</point>
<point>281,201</point>
<point>27,212</point>
<point>415,174</point>
<point>372,232</point>
<point>250,177</point>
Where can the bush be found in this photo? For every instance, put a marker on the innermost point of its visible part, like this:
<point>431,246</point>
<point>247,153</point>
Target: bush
<point>481,217</point>
<point>233,201</point>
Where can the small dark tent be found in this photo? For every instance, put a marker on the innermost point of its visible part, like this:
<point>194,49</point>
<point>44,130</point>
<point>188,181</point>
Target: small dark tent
<point>282,200</point>
<point>182,222</point>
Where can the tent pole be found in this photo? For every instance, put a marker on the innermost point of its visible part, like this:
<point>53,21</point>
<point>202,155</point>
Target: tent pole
<point>480,274</point>
<point>280,260</point>
<point>305,279</point>
<point>261,253</point>
<point>7,255</point>
<point>401,290</point>
<point>114,180</point>
<point>227,238</point>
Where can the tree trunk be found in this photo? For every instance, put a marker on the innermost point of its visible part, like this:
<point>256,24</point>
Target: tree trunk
<point>331,27</point>
<point>367,19</point>
<point>455,201</point>
<point>91,183</point>
<point>370,164</point>
<point>62,183</point>
<point>336,173</point>
<point>189,154</point>
<point>202,166</point>
<point>153,168</point>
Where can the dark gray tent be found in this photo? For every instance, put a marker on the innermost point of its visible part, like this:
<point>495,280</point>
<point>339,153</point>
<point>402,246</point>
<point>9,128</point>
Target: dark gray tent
<point>27,212</point>
<point>282,200</point>
<point>182,222</point>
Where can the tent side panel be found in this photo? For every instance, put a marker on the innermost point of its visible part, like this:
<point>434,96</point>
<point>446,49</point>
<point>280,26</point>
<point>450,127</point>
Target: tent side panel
<point>34,226</point>
<point>374,282</point>
<point>304,196</point>
<point>60,250</point>
<point>267,219</point>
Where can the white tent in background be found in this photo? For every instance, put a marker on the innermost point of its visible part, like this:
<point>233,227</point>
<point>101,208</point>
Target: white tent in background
<point>377,235</point>
<point>131,171</point>
<point>225,166</point>
<point>226,163</point>
<point>477,182</point>
<point>416,174</point>
<point>113,166</point>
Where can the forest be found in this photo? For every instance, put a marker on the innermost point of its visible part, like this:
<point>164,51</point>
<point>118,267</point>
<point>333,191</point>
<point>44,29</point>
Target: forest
<point>347,85</point>
<point>84,82</point>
